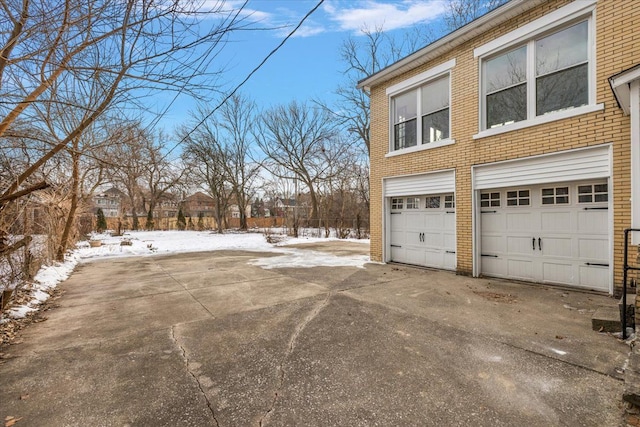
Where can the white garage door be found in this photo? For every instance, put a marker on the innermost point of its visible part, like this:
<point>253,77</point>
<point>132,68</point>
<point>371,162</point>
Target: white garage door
<point>423,230</point>
<point>551,233</point>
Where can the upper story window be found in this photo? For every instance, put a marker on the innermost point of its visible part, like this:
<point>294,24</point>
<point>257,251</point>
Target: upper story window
<point>540,72</point>
<point>421,116</point>
<point>545,75</point>
<point>419,111</point>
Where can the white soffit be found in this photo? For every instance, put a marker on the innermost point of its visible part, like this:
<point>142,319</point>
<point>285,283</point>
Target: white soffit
<point>413,185</point>
<point>620,84</point>
<point>586,163</point>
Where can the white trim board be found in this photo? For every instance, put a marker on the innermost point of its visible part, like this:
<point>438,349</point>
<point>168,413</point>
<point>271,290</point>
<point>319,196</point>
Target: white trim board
<point>560,16</point>
<point>414,185</point>
<point>573,165</point>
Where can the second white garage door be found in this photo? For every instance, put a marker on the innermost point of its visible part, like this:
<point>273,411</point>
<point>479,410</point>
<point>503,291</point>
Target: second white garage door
<point>552,233</point>
<point>423,230</point>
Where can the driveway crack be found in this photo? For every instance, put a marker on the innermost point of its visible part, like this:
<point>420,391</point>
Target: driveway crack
<point>290,348</point>
<point>193,374</point>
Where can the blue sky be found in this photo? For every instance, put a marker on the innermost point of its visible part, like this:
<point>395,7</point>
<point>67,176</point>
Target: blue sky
<point>308,66</point>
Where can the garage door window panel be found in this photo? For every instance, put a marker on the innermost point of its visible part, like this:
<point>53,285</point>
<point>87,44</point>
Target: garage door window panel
<point>593,193</point>
<point>490,200</point>
<point>518,198</point>
<point>555,196</point>
<point>449,201</point>
<point>432,202</point>
<point>413,203</point>
<point>397,204</point>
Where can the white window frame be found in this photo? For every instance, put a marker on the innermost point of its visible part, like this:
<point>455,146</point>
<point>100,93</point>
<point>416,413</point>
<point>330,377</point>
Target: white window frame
<point>415,83</point>
<point>573,13</point>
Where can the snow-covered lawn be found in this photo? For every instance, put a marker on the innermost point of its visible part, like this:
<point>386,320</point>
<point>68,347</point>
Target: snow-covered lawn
<point>151,243</point>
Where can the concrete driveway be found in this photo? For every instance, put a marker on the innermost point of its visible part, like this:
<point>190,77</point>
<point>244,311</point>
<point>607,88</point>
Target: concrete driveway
<point>208,339</point>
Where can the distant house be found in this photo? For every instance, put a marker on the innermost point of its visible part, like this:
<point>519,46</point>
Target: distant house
<point>199,204</point>
<point>234,211</point>
<point>167,207</point>
<point>287,207</point>
<point>109,201</point>
<point>283,207</point>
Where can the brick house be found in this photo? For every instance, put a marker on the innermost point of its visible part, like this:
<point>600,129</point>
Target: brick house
<point>507,148</point>
<point>199,204</point>
<point>109,201</point>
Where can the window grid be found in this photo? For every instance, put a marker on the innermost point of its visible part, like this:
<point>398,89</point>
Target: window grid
<point>518,198</point>
<point>555,196</point>
<point>397,204</point>
<point>593,193</point>
<point>449,201</point>
<point>490,200</point>
<point>413,203</point>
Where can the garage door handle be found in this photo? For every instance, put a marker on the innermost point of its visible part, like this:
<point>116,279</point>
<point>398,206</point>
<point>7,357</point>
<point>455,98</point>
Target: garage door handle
<point>539,244</point>
<point>395,246</point>
<point>490,256</point>
<point>533,242</point>
<point>597,264</point>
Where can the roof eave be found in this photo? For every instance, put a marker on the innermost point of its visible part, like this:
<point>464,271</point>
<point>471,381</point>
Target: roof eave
<point>450,41</point>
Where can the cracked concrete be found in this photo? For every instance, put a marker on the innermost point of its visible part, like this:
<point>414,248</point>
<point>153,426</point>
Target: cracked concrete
<point>209,340</point>
<point>193,373</point>
<point>292,344</point>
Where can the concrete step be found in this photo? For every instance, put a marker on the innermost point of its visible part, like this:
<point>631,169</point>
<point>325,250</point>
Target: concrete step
<point>606,319</point>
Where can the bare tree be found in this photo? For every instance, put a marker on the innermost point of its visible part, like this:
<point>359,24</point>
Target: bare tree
<point>236,123</point>
<point>128,164</point>
<point>127,49</point>
<point>207,159</point>
<point>159,174</point>
<point>302,140</point>
<point>461,12</point>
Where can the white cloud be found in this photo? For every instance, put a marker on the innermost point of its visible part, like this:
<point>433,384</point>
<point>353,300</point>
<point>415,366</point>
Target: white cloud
<point>388,15</point>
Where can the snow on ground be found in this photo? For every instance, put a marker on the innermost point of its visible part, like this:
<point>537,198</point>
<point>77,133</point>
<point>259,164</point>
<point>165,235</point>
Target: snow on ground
<point>150,243</point>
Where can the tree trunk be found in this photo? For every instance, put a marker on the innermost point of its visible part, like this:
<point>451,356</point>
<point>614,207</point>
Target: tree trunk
<point>71,216</point>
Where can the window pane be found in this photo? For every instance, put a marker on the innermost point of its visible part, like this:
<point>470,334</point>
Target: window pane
<point>562,49</point>
<point>547,191</point>
<point>432,202</point>
<point>507,106</point>
<point>506,70</point>
<point>405,107</point>
<point>602,198</point>
<point>435,95</point>
<point>601,188</point>
<point>404,134</point>
<point>585,198</point>
<point>584,189</point>
<point>435,126</point>
<point>562,190</point>
<point>562,90</point>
